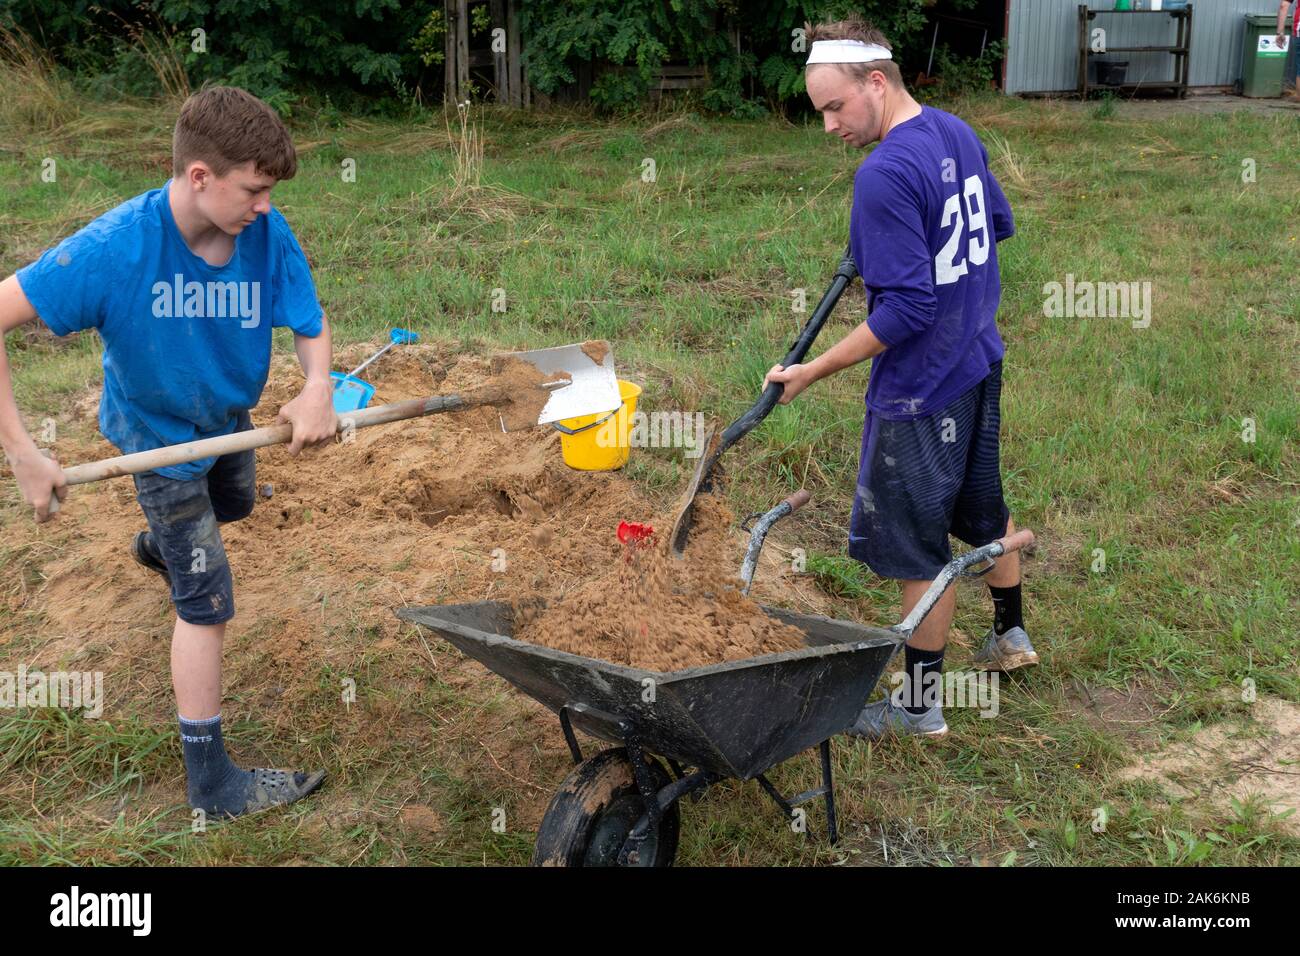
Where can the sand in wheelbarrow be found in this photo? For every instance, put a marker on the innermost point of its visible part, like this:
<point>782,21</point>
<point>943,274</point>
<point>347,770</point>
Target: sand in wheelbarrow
<point>654,611</point>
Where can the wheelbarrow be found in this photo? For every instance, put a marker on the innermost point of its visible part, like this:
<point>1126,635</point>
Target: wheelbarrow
<point>738,719</point>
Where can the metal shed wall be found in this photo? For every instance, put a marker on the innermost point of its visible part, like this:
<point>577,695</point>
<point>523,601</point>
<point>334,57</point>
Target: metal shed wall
<point>1042,41</point>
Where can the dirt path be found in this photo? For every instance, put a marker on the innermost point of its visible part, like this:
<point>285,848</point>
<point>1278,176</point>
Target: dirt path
<point>1199,104</point>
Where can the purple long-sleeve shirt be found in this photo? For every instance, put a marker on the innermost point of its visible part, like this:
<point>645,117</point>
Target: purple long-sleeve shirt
<point>927,217</point>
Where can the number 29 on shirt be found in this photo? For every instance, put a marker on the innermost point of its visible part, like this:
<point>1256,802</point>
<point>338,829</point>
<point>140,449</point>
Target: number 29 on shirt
<point>949,264</point>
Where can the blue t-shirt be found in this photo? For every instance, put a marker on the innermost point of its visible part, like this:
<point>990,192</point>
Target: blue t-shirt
<point>927,217</point>
<point>187,345</point>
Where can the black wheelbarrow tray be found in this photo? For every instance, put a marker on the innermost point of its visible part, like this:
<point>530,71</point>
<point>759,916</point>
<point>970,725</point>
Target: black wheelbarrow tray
<point>736,719</point>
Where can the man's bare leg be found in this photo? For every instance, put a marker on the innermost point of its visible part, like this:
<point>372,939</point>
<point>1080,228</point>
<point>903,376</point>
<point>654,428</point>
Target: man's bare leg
<point>1006,569</point>
<point>915,708</point>
<point>924,657</point>
<point>932,633</point>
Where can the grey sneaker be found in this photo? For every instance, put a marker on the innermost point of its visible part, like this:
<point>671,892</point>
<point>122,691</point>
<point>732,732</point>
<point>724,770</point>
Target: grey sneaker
<point>1007,652</point>
<point>887,717</point>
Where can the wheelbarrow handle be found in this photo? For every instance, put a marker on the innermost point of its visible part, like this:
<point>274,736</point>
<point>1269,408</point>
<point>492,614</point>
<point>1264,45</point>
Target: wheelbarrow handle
<point>960,567</point>
<point>1023,538</point>
<point>758,533</point>
<point>798,499</point>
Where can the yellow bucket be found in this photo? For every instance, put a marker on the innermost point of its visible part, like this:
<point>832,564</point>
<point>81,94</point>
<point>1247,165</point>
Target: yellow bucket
<point>600,442</point>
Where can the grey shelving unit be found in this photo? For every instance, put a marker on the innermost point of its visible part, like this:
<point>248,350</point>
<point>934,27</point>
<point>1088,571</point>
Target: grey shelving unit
<point>1180,50</point>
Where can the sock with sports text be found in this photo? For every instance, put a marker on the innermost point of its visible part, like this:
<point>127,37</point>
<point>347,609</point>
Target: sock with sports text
<point>215,784</point>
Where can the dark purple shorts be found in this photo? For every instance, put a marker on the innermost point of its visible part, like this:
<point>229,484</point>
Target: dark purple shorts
<point>924,479</point>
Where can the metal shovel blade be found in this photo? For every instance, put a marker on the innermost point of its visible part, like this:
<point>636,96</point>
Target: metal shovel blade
<point>593,388</point>
<point>685,511</point>
<point>686,504</point>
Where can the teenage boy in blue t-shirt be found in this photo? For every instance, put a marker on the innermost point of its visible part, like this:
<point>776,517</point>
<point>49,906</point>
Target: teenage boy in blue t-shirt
<point>926,219</point>
<point>183,285</point>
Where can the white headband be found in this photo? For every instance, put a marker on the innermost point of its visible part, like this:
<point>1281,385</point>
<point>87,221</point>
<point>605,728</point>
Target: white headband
<point>846,51</point>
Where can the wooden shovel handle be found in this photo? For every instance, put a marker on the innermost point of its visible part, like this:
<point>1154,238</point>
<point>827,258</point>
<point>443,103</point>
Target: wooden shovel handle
<point>253,438</point>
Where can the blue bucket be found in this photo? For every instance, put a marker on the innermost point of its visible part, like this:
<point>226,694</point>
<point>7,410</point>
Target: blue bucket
<point>350,393</point>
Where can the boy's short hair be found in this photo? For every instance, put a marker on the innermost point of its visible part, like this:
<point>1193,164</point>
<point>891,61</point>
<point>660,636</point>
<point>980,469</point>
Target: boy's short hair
<point>225,127</point>
<point>864,32</point>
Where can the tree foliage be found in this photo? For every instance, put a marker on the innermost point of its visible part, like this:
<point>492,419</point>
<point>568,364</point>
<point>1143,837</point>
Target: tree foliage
<point>376,49</point>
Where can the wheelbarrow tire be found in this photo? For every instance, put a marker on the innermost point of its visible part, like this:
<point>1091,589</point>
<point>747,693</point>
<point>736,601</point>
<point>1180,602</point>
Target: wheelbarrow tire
<point>594,810</point>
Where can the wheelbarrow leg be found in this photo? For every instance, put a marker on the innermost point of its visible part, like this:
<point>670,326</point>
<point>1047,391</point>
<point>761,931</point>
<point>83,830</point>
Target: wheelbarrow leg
<point>644,781</point>
<point>567,726</point>
<point>826,790</point>
<point>832,831</point>
<point>775,794</point>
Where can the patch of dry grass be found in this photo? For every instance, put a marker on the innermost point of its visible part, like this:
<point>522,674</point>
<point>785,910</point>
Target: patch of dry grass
<point>34,97</point>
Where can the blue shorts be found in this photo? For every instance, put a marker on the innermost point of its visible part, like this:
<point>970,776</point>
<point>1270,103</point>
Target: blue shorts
<point>183,518</point>
<point>924,479</point>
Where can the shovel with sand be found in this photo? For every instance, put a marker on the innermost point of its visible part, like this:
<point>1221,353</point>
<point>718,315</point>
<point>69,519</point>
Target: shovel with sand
<point>527,388</point>
<point>707,469</point>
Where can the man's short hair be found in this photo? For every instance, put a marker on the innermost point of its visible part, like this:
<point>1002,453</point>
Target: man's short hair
<point>225,127</point>
<point>863,32</point>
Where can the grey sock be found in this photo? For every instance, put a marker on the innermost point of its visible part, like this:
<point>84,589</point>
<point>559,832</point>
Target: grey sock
<point>215,784</point>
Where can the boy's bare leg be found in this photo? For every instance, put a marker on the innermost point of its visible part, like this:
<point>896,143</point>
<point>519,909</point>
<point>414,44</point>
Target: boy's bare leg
<point>196,668</point>
<point>215,783</point>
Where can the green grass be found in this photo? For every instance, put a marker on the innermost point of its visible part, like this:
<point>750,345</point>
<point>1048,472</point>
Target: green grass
<point>1119,439</point>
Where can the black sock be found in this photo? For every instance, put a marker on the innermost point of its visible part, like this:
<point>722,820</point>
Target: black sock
<point>920,691</point>
<point>1006,609</point>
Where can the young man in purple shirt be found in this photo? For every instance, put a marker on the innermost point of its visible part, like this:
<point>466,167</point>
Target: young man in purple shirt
<point>927,216</point>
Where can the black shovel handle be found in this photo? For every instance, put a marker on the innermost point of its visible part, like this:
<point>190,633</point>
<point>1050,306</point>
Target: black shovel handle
<point>738,429</point>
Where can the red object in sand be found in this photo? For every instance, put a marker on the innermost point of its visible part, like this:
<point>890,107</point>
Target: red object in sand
<point>632,533</point>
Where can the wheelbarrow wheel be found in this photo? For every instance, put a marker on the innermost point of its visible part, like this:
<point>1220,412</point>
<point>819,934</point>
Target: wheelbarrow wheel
<point>596,808</point>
